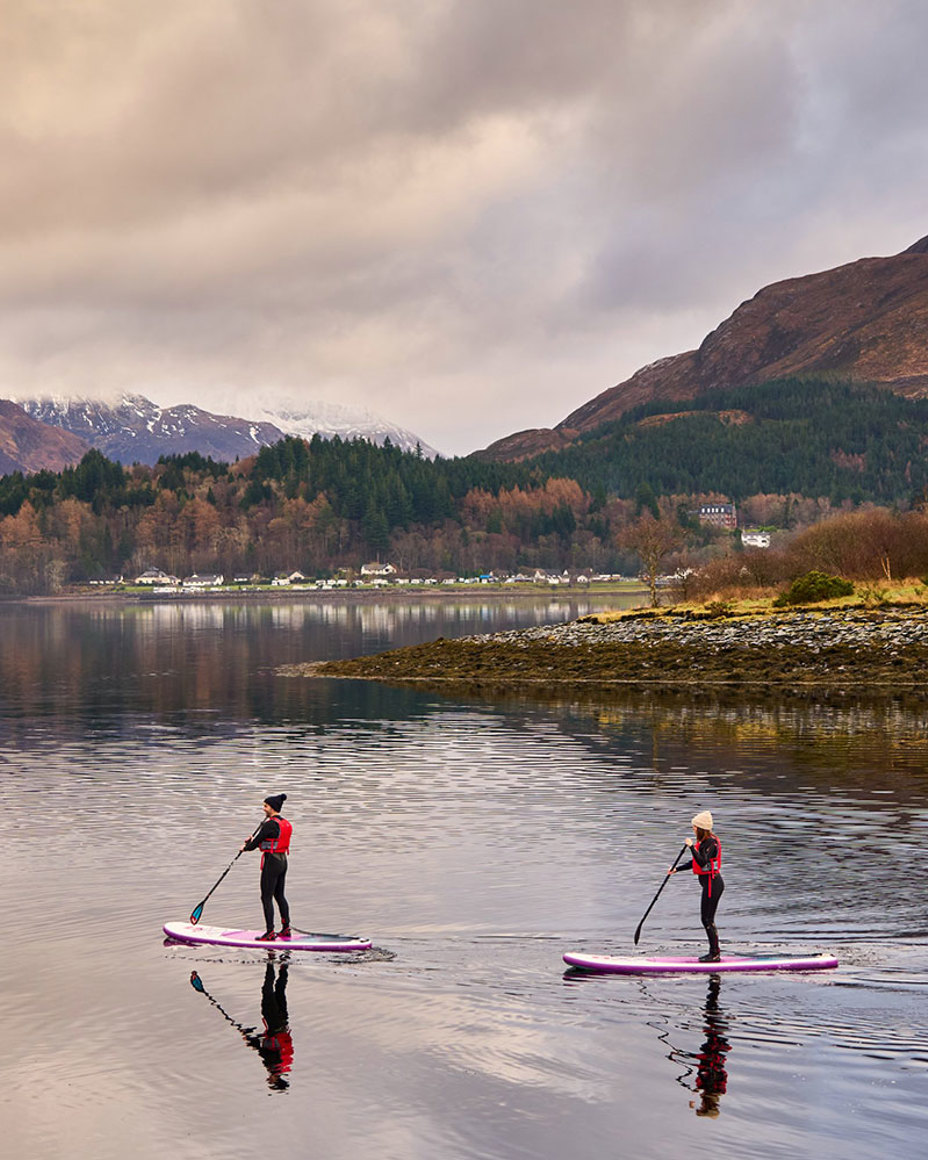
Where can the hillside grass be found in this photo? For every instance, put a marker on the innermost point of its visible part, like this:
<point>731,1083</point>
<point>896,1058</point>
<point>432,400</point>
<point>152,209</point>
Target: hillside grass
<point>759,603</point>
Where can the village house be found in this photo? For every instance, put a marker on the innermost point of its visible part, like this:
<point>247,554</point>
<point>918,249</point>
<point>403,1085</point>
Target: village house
<point>282,579</point>
<point>155,576</point>
<point>754,538</point>
<point>204,580</point>
<point>378,569</point>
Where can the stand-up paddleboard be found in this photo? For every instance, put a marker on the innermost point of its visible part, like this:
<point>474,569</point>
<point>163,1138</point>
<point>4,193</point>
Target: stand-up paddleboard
<point>221,936</point>
<point>676,965</point>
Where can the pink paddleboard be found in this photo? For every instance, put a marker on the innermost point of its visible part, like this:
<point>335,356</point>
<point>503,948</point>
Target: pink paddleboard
<point>675,965</point>
<point>221,936</point>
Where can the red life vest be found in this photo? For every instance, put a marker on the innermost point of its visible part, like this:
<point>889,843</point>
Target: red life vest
<point>714,868</point>
<point>281,1043</point>
<point>280,844</point>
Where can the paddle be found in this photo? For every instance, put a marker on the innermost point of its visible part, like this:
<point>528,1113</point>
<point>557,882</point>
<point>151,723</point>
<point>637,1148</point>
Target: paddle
<point>657,896</point>
<point>198,910</point>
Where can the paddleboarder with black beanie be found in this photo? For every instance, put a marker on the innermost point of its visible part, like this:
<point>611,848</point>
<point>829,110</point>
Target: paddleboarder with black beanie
<point>707,866</point>
<point>273,840</point>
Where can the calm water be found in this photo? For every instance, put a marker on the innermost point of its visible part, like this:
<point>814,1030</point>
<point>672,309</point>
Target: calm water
<point>475,842</point>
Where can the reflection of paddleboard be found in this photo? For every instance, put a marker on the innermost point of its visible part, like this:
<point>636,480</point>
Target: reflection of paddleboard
<point>672,964</point>
<point>221,936</point>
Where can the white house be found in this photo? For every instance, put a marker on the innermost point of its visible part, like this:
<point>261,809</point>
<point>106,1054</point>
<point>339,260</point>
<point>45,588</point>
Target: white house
<point>282,579</point>
<point>206,580</point>
<point>751,538</point>
<point>378,569</point>
<point>155,576</point>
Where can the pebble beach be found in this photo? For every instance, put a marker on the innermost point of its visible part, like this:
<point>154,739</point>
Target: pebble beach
<point>862,649</point>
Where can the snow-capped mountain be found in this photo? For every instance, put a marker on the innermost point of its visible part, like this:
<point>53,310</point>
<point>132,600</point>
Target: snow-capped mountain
<point>331,419</point>
<point>135,430</point>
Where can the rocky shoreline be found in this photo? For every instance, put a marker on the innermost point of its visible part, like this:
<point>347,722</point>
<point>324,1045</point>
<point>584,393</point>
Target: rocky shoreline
<point>864,650</point>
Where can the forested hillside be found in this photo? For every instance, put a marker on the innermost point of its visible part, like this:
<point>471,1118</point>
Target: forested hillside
<point>315,506</point>
<point>787,453</point>
<point>811,437</point>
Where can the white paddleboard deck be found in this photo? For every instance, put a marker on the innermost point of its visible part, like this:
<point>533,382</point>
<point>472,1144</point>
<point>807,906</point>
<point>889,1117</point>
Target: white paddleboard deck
<point>221,936</point>
<point>676,965</point>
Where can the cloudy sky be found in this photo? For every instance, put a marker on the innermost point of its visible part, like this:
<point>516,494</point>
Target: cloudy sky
<point>469,216</point>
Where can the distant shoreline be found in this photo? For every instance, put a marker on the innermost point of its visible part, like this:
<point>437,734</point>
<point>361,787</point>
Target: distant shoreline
<point>394,594</point>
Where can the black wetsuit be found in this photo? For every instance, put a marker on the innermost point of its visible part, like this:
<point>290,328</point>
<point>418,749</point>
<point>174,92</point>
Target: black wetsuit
<point>273,874</point>
<point>712,888</point>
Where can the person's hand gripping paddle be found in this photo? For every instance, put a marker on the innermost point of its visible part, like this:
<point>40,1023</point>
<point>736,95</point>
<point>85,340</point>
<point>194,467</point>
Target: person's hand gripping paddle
<point>686,846</point>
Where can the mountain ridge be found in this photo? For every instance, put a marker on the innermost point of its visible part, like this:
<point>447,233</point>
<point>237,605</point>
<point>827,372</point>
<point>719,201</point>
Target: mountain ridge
<point>29,445</point>
<point>863,321</point>
<point>133,429</point>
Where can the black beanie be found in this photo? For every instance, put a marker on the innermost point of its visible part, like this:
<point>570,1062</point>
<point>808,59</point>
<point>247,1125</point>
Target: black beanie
<point>276,801</point>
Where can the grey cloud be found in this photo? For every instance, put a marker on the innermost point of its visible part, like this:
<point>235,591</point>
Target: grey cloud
<point>468,215</point>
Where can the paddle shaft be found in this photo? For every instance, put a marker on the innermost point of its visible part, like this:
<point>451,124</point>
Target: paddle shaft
<point>659,889</point>
<point>197,913</point>
<point>197,984</point>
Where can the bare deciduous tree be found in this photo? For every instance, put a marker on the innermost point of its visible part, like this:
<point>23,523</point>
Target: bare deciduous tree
<point>652,540</point>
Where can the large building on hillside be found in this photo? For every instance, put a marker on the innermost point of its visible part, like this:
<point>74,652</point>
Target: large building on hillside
<point>720,515</point>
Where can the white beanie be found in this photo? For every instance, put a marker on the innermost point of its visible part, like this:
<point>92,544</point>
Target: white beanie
<point>703,820</point>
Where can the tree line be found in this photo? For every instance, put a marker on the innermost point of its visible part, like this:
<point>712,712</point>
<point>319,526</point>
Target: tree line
<point>316,506</point>
<point>324,505</point>
<point>844,441</point>
<point>319,507</point>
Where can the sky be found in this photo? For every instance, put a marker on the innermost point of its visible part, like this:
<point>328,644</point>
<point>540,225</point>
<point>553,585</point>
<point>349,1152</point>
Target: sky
<point>467,216</point>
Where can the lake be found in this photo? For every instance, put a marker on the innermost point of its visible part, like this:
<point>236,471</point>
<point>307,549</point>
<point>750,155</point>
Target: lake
<point>474,841</point>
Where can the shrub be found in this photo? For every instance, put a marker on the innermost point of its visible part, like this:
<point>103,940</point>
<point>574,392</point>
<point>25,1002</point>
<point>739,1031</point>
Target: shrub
<point>812,587</point>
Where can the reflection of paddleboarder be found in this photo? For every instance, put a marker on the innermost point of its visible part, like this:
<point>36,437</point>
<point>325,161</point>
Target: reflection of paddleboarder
<point>273,838</point>
<point>711,1076</point>
<point>707,865</point>
<point>710,1080</point>
<point>274,1044</point>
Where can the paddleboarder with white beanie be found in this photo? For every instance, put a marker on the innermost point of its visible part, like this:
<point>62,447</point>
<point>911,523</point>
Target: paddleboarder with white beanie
<point>707,866</point>
<point>273,839</point>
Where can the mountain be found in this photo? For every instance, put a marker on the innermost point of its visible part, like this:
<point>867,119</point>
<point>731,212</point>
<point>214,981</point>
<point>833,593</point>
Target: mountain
<point>136,430</point>
<point>331,419</point>
<point>28,445</point>
<point>866,321</point>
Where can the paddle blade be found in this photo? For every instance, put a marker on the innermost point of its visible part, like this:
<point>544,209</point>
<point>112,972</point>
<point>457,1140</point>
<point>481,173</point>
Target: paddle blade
<point>638,933</point>
<point>197,913</point>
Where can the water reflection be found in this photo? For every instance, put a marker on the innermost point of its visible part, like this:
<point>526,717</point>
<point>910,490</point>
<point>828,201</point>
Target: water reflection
<point>706,1068</point>
<point>100,666</point>
<point>871,742</point>
<point>711,1075</point>
<point>481,838</point>
<point>274,1043</point>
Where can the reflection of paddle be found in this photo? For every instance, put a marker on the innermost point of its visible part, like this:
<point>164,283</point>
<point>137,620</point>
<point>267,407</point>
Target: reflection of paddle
<point>197,983</point>
<point>198,910</point>
<point>274,1044</point>
<point>657,896</point>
